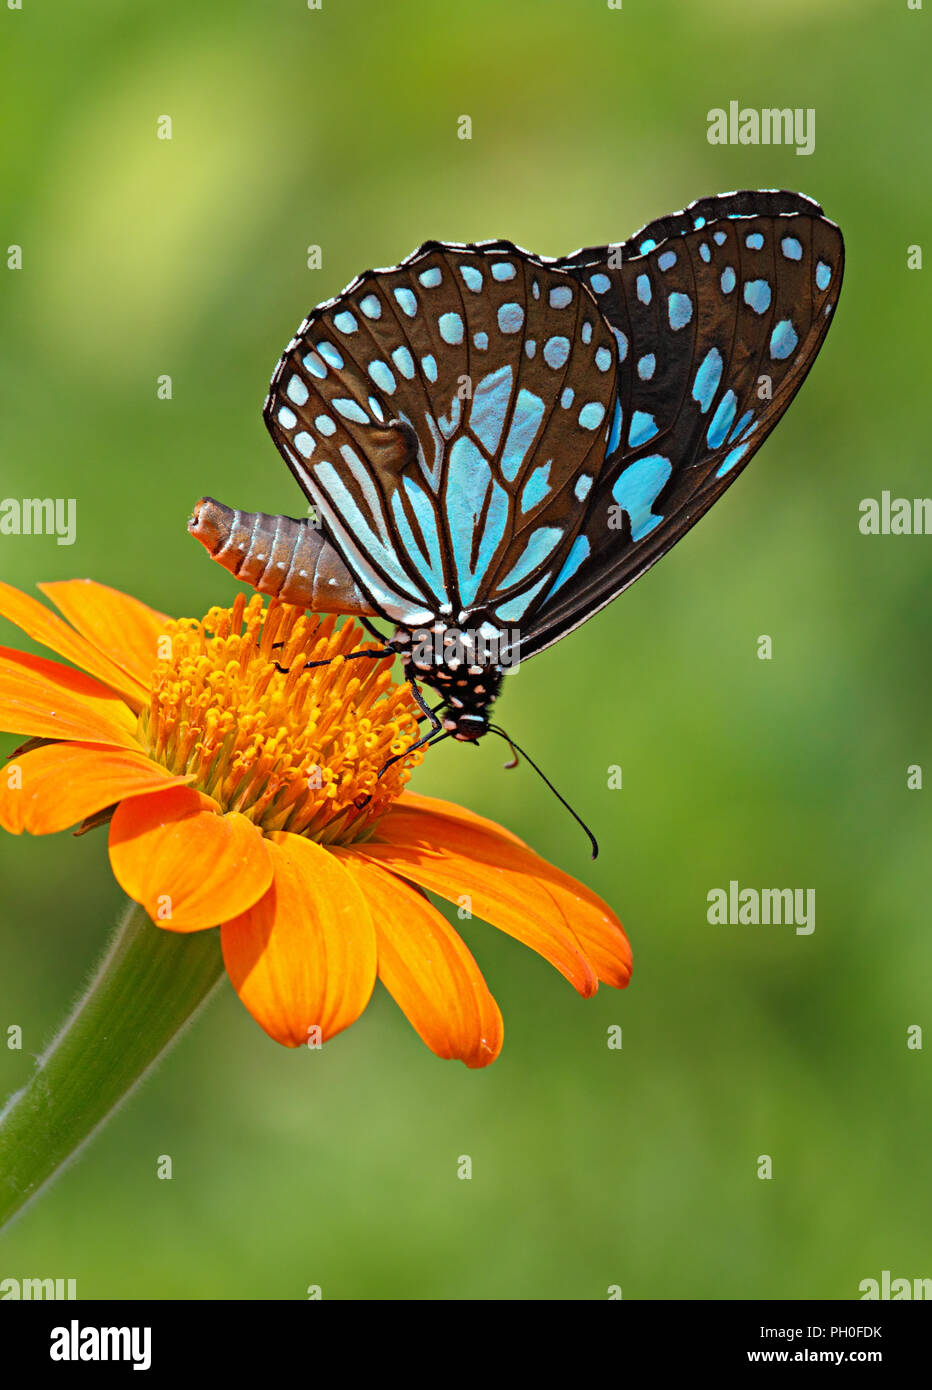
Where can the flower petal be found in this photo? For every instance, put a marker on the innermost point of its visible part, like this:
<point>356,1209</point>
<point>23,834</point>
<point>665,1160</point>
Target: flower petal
<point>428,970</point>
<point>436,806</point>
<point>423,820</point>
<point>500,877</point>
<point>44,699</point>
<point>120,626</point>
<point>43,626</point>
<point>57,785</point>
<point>304,955</point>
<point>188,865</point>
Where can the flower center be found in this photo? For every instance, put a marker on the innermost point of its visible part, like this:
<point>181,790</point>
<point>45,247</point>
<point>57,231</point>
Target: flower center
<point>291,748</point>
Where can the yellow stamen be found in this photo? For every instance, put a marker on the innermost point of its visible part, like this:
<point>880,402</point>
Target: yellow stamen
<point>293,749</point>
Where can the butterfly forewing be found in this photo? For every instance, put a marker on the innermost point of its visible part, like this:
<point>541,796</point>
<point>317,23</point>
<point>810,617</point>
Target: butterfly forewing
<point>448,418</point>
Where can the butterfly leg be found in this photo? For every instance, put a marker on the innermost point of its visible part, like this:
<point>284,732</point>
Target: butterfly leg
<point>426,713</point>
<point>350,656</point>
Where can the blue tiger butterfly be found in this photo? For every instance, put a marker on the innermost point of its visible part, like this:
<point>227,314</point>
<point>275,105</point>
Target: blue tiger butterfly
<point>496,444</point>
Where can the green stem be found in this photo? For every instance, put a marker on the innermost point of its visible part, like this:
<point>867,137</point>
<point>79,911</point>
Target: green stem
<point>150,984</point>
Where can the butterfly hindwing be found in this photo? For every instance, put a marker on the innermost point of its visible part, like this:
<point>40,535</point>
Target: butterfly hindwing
<point>447,419</point>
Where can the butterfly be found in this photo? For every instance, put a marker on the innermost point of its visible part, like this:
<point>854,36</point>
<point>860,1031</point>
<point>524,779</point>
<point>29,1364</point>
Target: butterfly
<point>496,444</point>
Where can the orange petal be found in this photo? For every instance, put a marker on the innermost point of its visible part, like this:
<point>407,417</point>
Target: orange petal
<point>44,699</point>
<point>304,956</point>
<point>120,626</point>
<point>428,971</point>
<point>499,877</point>
<point>188,865</point>
<point>433,804</point>
<point>39,623</point>
<point>425,820</point>
<point>53,787</point>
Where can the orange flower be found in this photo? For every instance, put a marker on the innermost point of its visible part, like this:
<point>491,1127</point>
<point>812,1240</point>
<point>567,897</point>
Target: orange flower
<point>248,796</point>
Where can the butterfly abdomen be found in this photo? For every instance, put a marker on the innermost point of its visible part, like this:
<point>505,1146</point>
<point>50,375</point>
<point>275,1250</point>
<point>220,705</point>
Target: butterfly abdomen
<point>288,558</point>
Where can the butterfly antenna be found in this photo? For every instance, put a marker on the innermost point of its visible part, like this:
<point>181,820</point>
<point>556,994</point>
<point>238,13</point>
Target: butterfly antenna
<point>515,751</point>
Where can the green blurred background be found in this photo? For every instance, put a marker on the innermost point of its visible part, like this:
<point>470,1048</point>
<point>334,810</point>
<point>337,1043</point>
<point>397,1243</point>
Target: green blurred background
<point>591,1167</point>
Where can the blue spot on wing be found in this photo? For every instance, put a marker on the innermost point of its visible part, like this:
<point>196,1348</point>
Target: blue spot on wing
<point>490,407</point>
<point>536,487</point>
<point>451,328</point>
<point>707,379</point>
<point>407,301</point>
<point>540,546</point>
<point>722,420</point>
<point>515,608</point>
<point>783,340</point>
<point>636,490</point>
<point>403,361</point>
<point>510,318</point>
<point>469,485</point>
<point>528,413</point>
<point>642,428</point>
<point>680,310</point>
<point>757,295</point>
<point>731,459</point>
<point>556,351</point>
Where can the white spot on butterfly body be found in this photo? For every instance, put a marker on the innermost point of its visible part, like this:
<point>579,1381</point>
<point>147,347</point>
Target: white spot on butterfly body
<point>371,307</point>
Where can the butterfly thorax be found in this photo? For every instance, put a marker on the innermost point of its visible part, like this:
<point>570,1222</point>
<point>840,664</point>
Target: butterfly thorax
<point>459,666</point>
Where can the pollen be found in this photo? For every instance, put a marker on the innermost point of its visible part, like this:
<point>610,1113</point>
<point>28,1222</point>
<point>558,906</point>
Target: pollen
<point>233,703</point>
